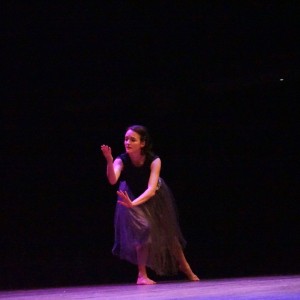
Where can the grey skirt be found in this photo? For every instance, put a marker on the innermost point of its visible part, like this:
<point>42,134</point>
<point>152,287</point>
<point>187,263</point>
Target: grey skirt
<point>154,225</point>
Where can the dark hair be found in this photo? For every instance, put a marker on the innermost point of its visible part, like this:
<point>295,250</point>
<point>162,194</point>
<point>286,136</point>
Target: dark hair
<point>145,137</point>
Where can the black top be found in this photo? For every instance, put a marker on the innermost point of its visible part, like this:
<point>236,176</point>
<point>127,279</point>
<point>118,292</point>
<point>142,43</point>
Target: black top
<point>136,177</point>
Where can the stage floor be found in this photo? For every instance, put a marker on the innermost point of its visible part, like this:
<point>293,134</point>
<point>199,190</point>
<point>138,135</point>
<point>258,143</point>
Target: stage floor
<point>262,288</point>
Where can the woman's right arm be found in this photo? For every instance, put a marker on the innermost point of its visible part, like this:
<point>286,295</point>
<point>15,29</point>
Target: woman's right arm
<point>114,167</point>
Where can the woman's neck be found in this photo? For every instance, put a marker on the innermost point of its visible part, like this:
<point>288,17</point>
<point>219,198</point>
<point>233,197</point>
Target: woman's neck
<point>137,159</point>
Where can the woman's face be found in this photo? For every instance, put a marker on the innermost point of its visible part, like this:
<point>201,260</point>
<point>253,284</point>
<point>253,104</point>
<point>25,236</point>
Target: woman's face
<point>132,142</point>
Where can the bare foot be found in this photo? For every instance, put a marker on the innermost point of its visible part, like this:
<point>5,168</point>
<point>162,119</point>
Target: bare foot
<point>193,277</point>
<point>144,280</point>
<point>189,273</point>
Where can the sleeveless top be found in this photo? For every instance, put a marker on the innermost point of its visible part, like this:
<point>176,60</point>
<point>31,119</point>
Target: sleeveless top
<point>136,177</point>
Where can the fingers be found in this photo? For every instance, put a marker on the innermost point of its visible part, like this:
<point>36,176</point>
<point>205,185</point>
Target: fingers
<point>123,195</point>
<point>105,148</point>
<point>106,151</point>
<point>120,193</point>
<point>125,204</point>
<point>125,199</point>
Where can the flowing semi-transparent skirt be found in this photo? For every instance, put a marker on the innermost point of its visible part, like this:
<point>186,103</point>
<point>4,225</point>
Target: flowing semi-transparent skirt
<point>153,224</point>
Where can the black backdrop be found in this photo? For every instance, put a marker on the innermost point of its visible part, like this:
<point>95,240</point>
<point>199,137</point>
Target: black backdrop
<point>216,86</point>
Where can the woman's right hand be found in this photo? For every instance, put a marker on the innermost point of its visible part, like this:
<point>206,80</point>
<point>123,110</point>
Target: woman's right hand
<point>106,151</point>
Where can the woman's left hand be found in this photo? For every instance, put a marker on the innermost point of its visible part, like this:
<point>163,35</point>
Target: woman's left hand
<point>125,199</point>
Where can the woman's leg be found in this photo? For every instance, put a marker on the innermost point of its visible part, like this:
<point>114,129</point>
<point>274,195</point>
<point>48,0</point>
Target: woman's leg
<point>185,267</point>
<point>142,254</point>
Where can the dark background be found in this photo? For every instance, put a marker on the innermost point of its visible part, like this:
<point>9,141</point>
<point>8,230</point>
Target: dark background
<point>204,78</point>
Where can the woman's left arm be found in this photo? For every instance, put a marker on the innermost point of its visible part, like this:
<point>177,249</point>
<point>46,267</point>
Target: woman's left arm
<point>149,192</point>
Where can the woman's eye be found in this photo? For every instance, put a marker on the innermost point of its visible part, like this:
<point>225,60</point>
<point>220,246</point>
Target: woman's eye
<point>130,139</point>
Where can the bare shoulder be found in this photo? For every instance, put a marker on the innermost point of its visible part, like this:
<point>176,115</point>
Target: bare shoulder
<point>157,159</point>
<point>156,162</point>
<point>118,162</point>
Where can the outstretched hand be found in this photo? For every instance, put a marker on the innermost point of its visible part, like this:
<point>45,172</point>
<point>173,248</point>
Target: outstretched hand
<point>125,200</point>
<point>106,151</point>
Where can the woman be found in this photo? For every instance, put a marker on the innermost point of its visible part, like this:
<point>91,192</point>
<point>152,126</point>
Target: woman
<point>146,227</point>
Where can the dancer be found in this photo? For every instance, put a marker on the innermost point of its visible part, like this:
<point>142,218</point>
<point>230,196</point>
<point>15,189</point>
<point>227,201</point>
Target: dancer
<point>146,227</point>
